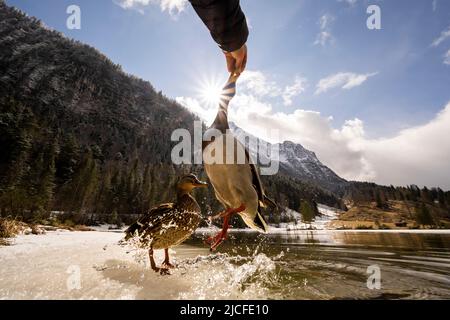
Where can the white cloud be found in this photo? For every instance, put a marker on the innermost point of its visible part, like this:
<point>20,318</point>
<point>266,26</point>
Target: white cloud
<point>434,5</point>
<point>447,58</point>
<point>418,155</point>
<point>258,84</point>
<point>344,80</point>
<point>335,147</point>
<point>173,7</point>
<point>325,37</point>
<point>294,90</point>
<point>443,36</point>
<point>195,106</point>
<point>350,2</point>
<point>249,23</point>
<point>325,21</point>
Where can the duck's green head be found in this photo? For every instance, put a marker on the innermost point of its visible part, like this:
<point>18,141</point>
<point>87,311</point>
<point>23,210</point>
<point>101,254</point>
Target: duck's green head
<point>189,182</point>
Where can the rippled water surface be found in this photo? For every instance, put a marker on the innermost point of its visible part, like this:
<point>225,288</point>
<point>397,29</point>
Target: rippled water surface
<point>332,265</point>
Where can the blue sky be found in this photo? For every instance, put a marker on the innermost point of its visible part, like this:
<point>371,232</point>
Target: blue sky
<point>376,84</point>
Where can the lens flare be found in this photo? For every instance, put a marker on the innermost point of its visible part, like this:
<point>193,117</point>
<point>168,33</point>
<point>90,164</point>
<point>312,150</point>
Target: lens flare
<point>210,91</point>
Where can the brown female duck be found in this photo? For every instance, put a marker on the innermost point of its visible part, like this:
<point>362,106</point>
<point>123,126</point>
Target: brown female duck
<point>169,224</point>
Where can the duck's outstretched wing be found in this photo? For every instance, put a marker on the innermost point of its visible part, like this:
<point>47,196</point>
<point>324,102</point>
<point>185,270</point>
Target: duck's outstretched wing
<point>264,201</point>
<point>150,221</point>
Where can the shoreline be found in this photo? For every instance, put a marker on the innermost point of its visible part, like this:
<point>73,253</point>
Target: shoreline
<point>284,230</point>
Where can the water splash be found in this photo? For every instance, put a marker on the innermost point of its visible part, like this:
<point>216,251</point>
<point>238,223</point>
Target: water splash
<point>220,276</point>
<point>137,248</point>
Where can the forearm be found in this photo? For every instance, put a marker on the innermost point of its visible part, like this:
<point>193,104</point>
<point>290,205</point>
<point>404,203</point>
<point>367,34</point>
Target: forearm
<point>225,20</point>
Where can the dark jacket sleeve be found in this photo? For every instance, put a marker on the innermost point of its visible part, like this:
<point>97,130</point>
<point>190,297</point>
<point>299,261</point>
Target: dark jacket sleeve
<point>225,20</point>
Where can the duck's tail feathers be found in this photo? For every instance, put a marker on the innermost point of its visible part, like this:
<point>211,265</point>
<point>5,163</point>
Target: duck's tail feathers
<point>132,230</point>
<point>261,223</point>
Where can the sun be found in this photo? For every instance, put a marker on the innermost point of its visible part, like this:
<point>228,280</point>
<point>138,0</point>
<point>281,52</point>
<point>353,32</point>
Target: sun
<point>210,91</point>
<point>210,94</point>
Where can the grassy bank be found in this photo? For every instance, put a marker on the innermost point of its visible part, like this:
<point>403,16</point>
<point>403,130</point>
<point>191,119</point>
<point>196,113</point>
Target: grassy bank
<point>394,215</point>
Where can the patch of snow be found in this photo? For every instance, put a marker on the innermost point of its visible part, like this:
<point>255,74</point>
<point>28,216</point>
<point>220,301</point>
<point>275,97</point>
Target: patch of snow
<point>91,265</point>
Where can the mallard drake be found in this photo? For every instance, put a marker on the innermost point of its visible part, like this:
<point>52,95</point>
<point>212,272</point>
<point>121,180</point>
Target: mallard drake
<point>237,184</point>
<point>170,224</point>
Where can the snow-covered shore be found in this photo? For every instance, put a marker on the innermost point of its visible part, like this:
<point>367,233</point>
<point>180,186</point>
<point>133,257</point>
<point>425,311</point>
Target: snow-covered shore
<point>47,267</point>
<point>91,265</point>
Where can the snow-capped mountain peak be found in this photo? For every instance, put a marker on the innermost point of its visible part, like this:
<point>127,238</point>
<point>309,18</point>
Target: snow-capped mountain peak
<point>294,159</point>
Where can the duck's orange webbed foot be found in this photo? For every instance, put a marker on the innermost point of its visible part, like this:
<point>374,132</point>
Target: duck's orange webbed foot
<point>215,241</point>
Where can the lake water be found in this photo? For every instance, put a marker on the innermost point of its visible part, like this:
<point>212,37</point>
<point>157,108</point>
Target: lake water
<point>283,265</point>
<point>325,265</point>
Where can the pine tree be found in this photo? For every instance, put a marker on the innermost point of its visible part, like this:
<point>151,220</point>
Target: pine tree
<point>47,181</point>
<point>16,126</point>
<point>104,194</point>
<point>425,195</point>
<point>380,199</point>
<point>441,198</point>
<point>133,188</point>
<point>84,184</point>
<point>424,217</point>
<point>307,212</point>
<point>146,190</point>
<point>67,160</point>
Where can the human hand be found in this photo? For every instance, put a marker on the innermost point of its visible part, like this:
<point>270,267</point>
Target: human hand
<point>237,60</point>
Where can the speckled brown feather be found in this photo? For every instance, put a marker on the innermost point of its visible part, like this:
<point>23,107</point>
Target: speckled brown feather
<point>167,225</point>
